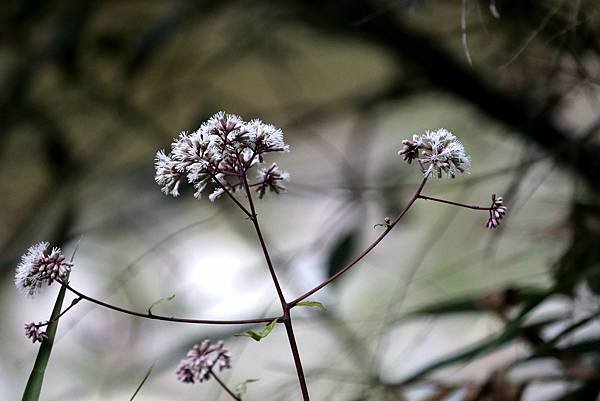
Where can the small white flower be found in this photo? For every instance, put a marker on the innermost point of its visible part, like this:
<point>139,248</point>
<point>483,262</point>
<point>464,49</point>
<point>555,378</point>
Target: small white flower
<point>437,152</point>
<point>267,137</point>
<point>41,266</point>
<point>216,194</point>
<point>167,175</point>
<point>271,179</point>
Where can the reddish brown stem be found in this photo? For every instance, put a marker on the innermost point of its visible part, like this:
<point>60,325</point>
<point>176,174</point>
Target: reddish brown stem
<point>453,203</point>
<point>286,309</point>
<point>224,386</point>
<point>73,303</point>
<point>165,318</point>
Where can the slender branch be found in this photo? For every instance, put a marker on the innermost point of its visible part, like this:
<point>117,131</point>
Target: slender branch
<point>233,198</point>
<point>231,393</point>
<point>366,251</point>
<point>453,203</point>
<point>263,245</point>
<point>73,303</point>
<point>165,318</point>
<point>287,320</point>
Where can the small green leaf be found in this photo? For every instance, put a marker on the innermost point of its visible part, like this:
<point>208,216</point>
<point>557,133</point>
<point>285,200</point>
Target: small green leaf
<point>139,387</point>
<point>257,336</point>
<point>159,301</point>
<point>314,304</point>
<point>241,388</point>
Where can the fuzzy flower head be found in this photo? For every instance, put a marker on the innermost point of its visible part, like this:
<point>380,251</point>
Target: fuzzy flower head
<point>41,266</point>
<point>497,212</point>
<point>34,332</point>
<point>218,155</point>
<point>200,361</point>
<point>438,152</point>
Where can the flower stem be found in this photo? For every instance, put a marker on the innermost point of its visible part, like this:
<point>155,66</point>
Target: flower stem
<point>287,321</point>
<point>453,203</point>
<point>231,393</point>
<point>73,303</point>
<point>296,354</point>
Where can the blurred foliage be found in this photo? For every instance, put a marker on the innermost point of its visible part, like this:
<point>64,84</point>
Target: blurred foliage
<point>89,88</point>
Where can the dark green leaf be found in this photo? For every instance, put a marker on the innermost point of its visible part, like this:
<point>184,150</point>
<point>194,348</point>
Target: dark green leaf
<point>477,303</point>
<point>341,252</point>
<point>511,331</point>
<point>313,304</point>
<point>241,388</point>
<point>257,336</point>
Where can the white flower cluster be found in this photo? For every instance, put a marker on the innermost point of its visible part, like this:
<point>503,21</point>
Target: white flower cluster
<point>220,152</point>
<point>40,266</point>
<point>200,360</point>
<point>437,152</point>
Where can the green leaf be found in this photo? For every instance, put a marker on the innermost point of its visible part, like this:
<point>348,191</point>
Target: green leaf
<point>36,377</point>
<point>257,336</point>
<point>139,387</point>
<point>241,388</point>
<point>313,304</point>
<point>159,301</point>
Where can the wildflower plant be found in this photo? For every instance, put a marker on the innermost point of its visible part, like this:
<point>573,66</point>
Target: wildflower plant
<point>226,156</point>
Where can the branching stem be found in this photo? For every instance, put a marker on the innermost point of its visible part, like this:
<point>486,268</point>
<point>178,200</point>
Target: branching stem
<point>366,251</point>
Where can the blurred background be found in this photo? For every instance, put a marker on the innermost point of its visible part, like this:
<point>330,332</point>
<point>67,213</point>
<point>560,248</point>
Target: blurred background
<point>443,309</point>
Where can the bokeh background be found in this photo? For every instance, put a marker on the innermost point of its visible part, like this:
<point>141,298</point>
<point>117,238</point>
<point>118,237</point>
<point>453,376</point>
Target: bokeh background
<point>90,90</point>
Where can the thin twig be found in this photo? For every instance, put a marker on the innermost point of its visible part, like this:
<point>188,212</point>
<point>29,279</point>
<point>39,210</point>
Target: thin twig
<point>474,207</point>
<point>231,393</point>
<point>73,303</point>
<point>166,318</point>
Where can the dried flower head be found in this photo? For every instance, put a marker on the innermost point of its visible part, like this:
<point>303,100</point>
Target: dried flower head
<point>219,154</point>
<point>201,359</point>
<point>437,152</point>
<point>40,266</point>
<point>497,212</point>
<point>34,331</point>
